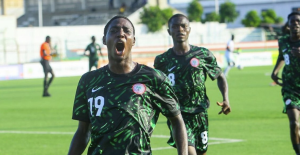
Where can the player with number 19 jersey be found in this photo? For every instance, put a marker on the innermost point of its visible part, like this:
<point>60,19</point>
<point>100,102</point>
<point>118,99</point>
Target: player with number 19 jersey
<point>188,74</point>
<point>290,74</point>
<point>130,102</point>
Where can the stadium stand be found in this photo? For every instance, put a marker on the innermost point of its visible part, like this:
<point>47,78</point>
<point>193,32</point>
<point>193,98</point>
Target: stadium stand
<point>73,12</point>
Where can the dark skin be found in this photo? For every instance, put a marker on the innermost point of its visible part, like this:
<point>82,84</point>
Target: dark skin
<point>293,114</point>
<point>120,62</point>
<point>179,29</point>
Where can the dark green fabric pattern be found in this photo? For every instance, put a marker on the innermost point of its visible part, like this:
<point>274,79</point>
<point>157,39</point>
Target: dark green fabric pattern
<point>93,48</point>
<point>188,74</point>
<point>123,108</point>
<point>291,70</point>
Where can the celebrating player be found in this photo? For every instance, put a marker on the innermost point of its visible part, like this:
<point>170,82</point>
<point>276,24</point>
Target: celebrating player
<point>46,53</point>
<point>289,55</point>
<point>119,104</point>
<point>187,67</point>
<point>93,56</point>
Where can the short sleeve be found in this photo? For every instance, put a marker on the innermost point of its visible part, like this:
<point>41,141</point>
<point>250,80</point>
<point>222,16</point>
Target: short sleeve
<point>166,100</point>
<point>87,48</point>
<point>211,66</point>
<point>80,108</point>
<point>280,54</point>
<point>156,63</point>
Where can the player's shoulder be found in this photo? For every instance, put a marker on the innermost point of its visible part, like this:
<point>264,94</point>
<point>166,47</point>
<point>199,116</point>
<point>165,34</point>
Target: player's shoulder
<point>284,39</point>
<point>165,54</point>
<point>199,50</point>
<point>88,76</point>
<point>152,72</point>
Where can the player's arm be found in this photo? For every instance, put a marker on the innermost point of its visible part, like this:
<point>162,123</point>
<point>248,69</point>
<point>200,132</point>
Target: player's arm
<point>179,134</point>
<point>223,87</point>
<point>86,49</point>
<point>277,67</point>
<point>80,139</point>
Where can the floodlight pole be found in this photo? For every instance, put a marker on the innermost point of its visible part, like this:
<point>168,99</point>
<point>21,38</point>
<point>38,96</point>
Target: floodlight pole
<point>217,6</point>
<point>40,13</point>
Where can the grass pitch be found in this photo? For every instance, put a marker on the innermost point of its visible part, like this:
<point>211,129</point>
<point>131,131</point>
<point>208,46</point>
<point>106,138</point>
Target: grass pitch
<point>32,125</point>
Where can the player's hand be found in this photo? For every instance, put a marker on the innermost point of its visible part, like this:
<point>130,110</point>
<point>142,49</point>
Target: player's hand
<point>225,107</point>
<point>276,79</point>
<point>296,51</point>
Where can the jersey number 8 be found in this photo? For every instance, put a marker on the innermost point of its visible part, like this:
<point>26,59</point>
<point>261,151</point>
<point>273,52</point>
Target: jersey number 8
<point>171,76</point>
<point>99,103</point>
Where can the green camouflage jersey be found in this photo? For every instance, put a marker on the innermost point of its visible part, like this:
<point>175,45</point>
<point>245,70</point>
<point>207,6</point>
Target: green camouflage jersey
<point>123,108</point>
<point>291,70</point>
<point>187,74</point>
<point>93,48</point>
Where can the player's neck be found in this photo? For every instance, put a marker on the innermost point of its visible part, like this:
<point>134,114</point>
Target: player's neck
<point>181,49</point>
<point>123,67</point>
<point>295,37</point>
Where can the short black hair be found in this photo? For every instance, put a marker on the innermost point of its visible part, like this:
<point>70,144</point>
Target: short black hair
<point>116,17</point>
<point>175,16</point>
<point>47,37</point>
<point>292,14</point>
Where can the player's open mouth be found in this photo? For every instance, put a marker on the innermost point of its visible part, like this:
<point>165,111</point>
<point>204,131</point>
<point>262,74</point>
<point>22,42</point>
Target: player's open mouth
<point>120,48</point>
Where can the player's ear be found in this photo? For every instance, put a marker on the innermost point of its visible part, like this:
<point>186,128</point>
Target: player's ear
<point>103,40</point>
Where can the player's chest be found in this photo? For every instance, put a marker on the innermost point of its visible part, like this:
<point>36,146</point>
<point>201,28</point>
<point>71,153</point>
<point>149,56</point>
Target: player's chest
<point>288,57</point>
<point>118,92</point>
<point>181,66</point>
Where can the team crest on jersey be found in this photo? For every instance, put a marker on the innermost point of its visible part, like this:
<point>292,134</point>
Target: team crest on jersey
<point>194,62</point>
<point>139,88</point>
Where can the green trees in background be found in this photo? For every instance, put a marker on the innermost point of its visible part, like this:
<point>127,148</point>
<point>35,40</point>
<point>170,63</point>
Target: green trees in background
<point>155,18</point>
<point>252,19</point>
<point>213,16</point>
<point>195,11</point>
<point>269,16</point>
<point>228,12</point>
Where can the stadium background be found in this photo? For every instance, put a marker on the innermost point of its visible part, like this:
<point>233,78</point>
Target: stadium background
<point>256,121</point>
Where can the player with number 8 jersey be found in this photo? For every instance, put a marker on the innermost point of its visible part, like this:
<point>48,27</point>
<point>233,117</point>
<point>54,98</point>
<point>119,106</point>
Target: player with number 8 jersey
<point>187,67</point>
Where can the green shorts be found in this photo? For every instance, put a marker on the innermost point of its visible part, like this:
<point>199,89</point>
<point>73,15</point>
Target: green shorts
<point>290,101</point>
<point>197,131</point>
<point>93,62</point>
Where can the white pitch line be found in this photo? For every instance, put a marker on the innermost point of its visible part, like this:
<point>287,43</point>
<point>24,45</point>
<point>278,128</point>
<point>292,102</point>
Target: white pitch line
<point>219,140</point>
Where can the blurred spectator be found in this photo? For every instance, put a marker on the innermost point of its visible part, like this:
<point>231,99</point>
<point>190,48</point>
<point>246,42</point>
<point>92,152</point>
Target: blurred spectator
<point>122,9</point>
<point>134,5</point>
<point>111,4</point>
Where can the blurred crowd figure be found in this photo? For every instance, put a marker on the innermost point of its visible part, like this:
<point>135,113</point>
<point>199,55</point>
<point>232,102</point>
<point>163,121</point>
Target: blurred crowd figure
<point>122,9</point>
<point>111,4</point>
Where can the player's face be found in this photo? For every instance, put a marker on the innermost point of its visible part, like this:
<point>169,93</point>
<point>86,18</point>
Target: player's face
<point>179,29</point>
<point>294,24</point>
<point>119,39</point>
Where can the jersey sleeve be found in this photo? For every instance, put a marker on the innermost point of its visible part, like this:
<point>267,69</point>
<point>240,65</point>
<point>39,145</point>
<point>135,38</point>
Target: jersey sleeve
<point>80,108</point>
<point>166,100</point>
<point>157,63</point>
<point>87,48</point>
<point>280,54</point>
<point>210,65</point>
